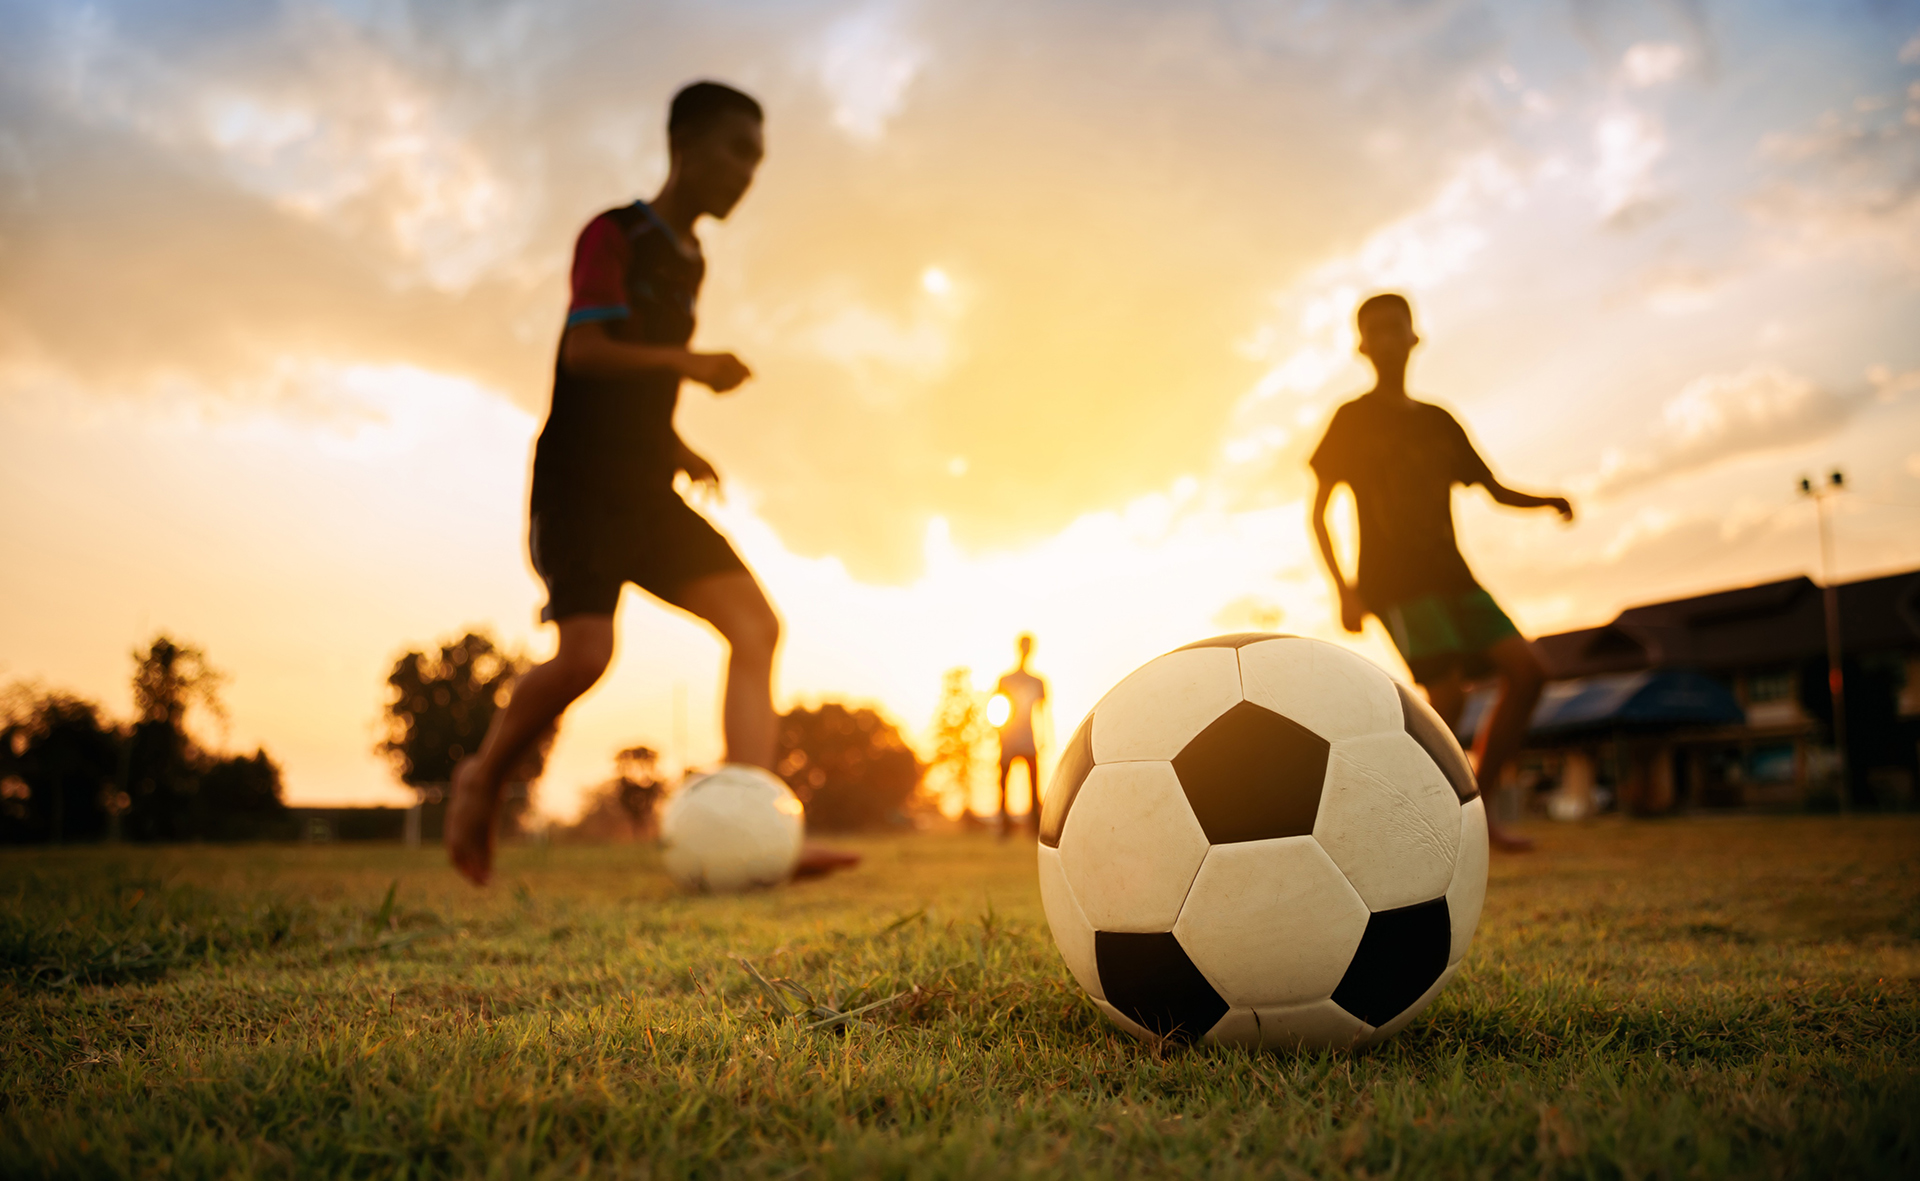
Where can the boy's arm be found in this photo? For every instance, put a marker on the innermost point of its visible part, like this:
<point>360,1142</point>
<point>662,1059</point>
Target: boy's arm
<point>588,350</point>
<point>1353,612</point>
<point>1514,499</point>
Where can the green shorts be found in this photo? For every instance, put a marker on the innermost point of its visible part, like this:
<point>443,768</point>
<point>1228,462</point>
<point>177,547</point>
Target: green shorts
<point>1448,635</point>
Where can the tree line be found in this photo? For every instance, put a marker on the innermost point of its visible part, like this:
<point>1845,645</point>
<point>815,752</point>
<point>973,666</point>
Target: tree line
<point>69,772</point>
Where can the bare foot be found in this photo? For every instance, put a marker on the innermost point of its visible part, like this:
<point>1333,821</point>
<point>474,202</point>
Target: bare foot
<point>818,861</point>
<point>1508,842</point>
<point>469,824</point>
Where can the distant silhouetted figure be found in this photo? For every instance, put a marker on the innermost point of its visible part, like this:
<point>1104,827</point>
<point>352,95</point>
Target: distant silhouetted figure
<point>1402,458</point>
<point>1024,694</point>
<point>605,512</point>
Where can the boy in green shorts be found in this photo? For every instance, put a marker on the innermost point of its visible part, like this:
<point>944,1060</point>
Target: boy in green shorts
<point>1402,458</point>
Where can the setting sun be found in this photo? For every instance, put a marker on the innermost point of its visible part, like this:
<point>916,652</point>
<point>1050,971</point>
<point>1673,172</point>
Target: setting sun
<point>999,709</point>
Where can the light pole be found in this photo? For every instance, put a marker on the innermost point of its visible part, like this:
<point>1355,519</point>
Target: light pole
<point>1830,596</point>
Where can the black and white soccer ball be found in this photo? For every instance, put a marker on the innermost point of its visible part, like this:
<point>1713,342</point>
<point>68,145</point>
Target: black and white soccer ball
<point>1263,840</point>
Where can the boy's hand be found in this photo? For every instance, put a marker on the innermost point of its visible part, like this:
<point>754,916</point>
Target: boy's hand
<point>719,372</point>
<point>1353,611</point>
<point>1561,505</point>
<point>699,470</point>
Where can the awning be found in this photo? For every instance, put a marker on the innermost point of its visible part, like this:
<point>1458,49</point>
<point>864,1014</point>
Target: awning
<point>1656,699</point>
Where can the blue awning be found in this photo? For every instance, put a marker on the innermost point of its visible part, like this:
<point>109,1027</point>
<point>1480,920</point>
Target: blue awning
<point>1664,698</point>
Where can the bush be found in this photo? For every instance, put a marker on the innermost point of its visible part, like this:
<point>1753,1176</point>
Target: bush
<point>850,767</point>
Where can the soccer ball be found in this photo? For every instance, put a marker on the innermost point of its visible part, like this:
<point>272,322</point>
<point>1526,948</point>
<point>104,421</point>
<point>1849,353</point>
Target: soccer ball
<point>733,829</point>
<point>1263,840</point>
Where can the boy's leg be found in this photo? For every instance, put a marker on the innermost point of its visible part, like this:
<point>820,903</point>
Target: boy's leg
<point>1033,794</point>
<point>1521,679</point>
<point>539,698</point>
<point>1006,773</point>
<point>1447,695</point>
<point>734,605</point>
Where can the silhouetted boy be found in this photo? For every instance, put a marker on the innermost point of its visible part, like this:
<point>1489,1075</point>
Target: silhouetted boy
<point>605,512</point>
<point>1024,693</point>
<point>1402,458</point>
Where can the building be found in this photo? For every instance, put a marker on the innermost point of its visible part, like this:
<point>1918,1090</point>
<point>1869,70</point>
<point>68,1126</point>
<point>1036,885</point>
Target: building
<point>1722,700</point>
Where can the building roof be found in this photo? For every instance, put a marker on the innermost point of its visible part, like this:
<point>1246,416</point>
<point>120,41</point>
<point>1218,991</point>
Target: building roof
<point>1607,701</point>
<point>1774,623</point>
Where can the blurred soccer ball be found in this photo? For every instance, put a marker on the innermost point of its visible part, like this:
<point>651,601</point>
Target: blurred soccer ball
<point>734,829</point>
<point>1265,840</point>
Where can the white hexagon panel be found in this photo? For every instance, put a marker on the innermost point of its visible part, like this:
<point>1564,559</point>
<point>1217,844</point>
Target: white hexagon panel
<point>1131,847</point>
<point>1271,922</point>
<point>1163,704</point>
<point>1321,1025</point>
<point>1329,690</point>
<point>1467,893</point>
<point>1389,819</point>
<point>1072,933</point>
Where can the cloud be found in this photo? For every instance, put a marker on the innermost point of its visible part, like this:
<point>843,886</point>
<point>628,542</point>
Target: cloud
<point>1722,416</point>
<point>1651,63</point>
<point>866,63</point>
<point>1849,182</point>
<point>401,184</point>
<point>1627,144</point>
<point>1681,289</point>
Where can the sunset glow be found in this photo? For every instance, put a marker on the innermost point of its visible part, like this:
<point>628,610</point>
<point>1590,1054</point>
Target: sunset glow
<point>1040,339</point>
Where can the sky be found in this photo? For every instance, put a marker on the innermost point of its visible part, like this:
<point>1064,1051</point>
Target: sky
<point>1047,303</point>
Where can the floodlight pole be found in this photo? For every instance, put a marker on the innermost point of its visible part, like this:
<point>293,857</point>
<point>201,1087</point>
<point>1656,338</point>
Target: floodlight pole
<point>1830,598</point>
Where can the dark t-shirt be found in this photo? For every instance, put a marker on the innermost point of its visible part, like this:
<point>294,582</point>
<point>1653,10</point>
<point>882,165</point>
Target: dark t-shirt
<point>608,444</point>
<point>1402,461</point>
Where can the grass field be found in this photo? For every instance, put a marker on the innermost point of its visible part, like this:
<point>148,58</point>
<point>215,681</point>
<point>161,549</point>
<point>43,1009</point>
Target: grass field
<point>1725,997</point>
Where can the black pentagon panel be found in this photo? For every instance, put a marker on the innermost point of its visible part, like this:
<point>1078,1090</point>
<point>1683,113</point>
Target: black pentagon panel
<point>1151,979</point>
<point>1439,743</point>
<point>1402,953</point>
<point>1236,640</point>
<point>1068,774</point>
<point>1253,775</point>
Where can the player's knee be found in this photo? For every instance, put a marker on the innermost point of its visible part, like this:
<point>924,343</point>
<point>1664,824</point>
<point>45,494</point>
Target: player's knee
<point>583,661</point>
<point>755,632</point>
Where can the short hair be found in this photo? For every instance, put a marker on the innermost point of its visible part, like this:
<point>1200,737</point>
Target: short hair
<point>1376,304</point>
<point>697,105</point>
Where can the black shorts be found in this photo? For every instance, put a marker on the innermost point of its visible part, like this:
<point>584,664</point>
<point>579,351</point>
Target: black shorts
<point>660,547</point>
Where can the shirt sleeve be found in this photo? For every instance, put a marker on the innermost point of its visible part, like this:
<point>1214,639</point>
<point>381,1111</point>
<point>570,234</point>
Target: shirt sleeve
<point>599,274</point>
<point>1468,467</point>
<point>1331,460</point>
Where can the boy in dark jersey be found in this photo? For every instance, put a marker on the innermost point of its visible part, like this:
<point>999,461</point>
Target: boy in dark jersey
<point>1402,458</point>
<point>605,512</point>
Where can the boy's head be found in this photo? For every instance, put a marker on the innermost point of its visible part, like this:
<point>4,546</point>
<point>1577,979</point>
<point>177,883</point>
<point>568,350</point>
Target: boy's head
<point>1386,329</point>
<point>1025,644</point>
<point>714,136</point>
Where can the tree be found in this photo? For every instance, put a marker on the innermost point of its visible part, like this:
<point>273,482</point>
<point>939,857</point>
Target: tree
<point>439,710</point>
<point>164,763</point>
<point>242,798</point>
<point>850,767</point>
<point>622,808</point>
<point>962,738</point>
<point>59,763</point>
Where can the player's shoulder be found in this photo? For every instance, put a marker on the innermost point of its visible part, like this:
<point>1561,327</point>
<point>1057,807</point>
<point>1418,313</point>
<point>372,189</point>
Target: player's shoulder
<point>604,228</point>
<point>1346,414</point>
<point>1439,413</point>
